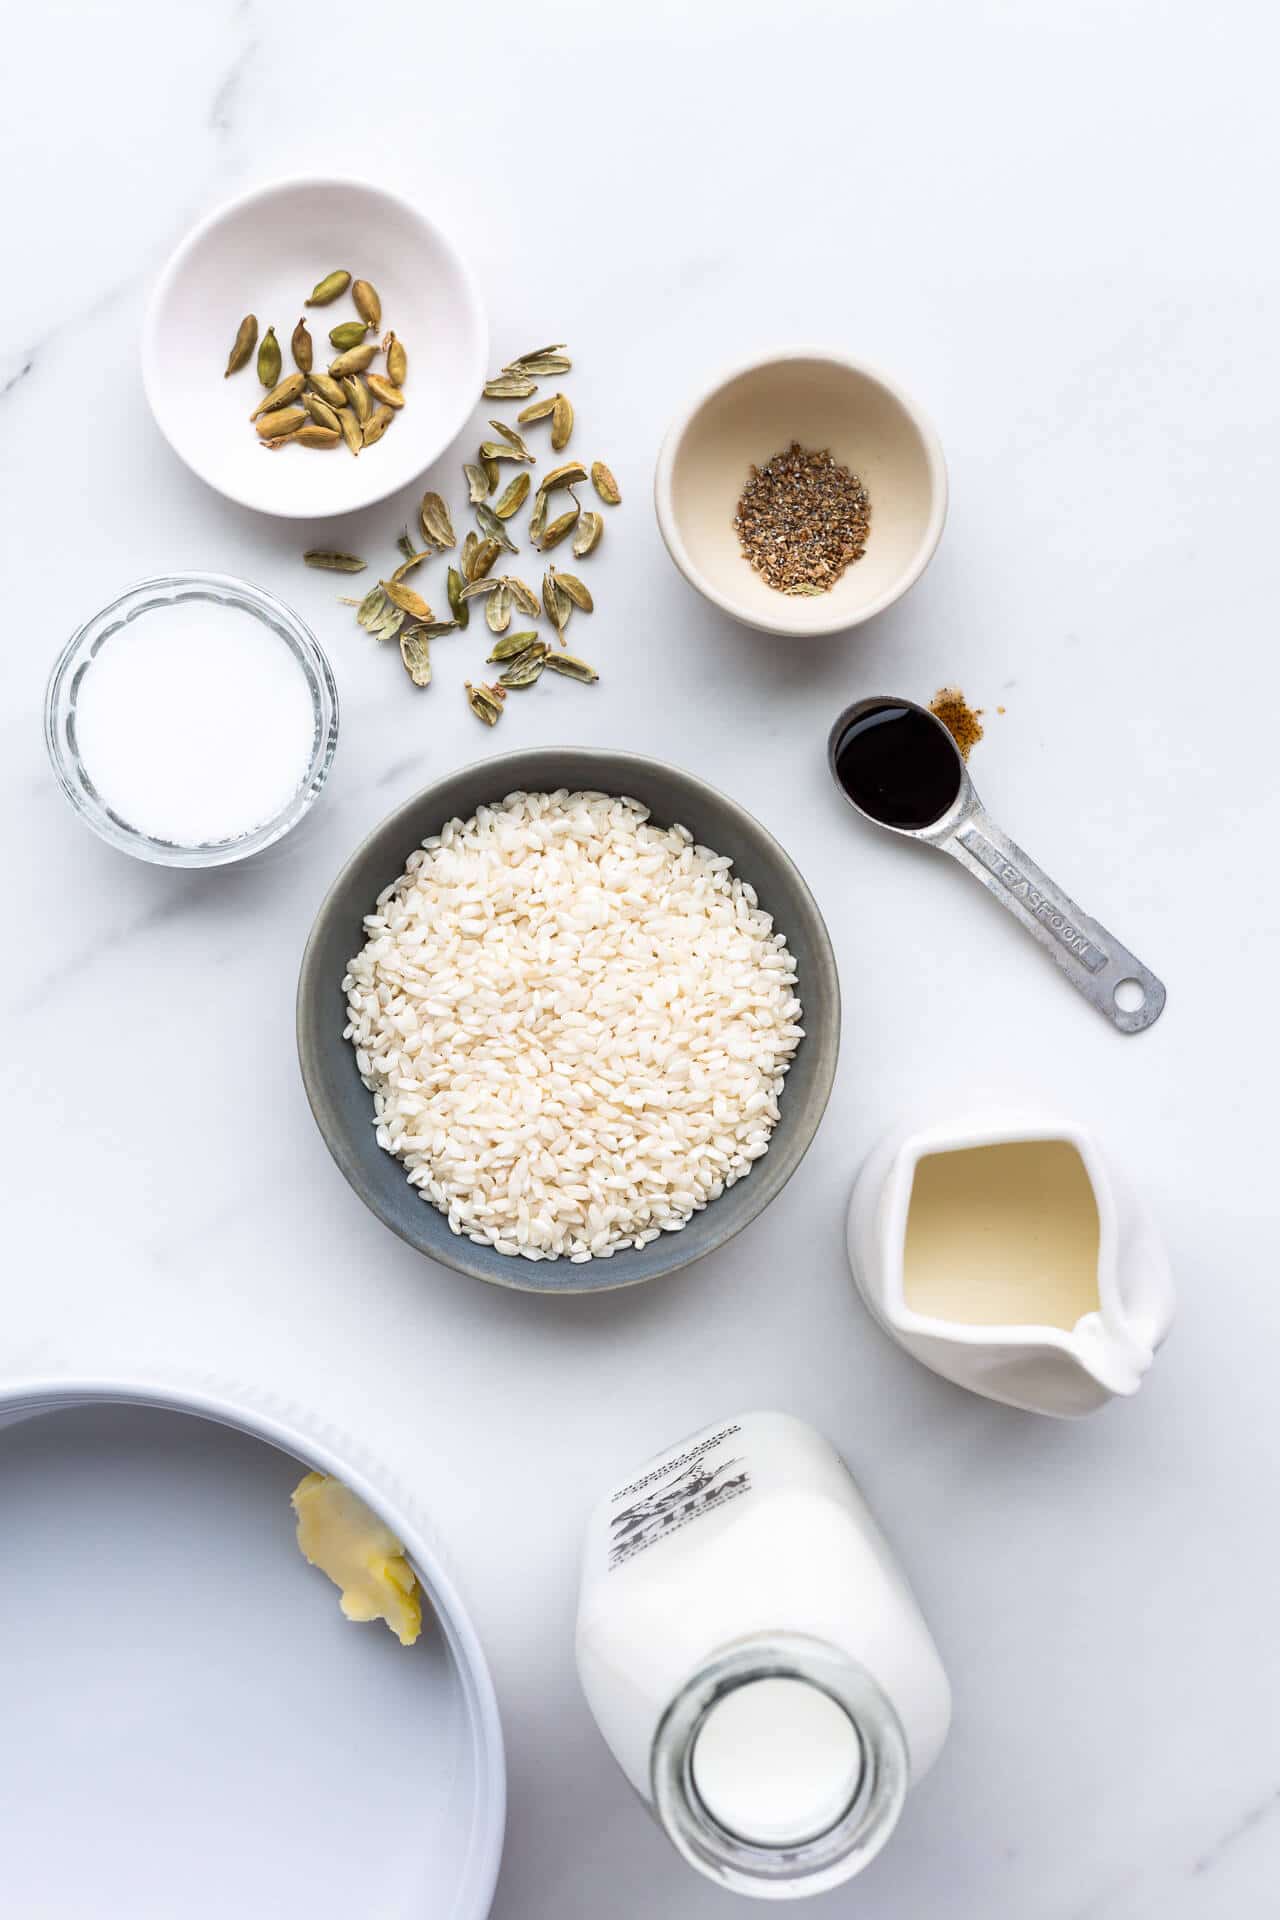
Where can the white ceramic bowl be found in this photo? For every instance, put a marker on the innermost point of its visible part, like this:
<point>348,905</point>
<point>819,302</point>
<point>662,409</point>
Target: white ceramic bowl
<point>756,410</point>
<point>190,1724</point>
<point>262,254</point>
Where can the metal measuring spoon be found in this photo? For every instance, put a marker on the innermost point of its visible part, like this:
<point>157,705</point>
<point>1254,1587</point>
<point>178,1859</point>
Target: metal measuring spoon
<point>899,767</point>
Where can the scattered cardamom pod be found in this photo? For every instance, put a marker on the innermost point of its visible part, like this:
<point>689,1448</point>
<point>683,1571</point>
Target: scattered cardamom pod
<point>280,420</point>
<point>540,410</point>
<point>327,290</point>
<point>406,599</point>
<point>357,394</point>
<point>457,597</point>
<point>385,390</point>
<point>569,583</point>
<point>492,473</point>
<point>486,703</point>
<point>378,616</point>
<point>397,359</point>
<point>571,667</point>
<point>328,389</point>
<point>404,541</point>
<point>348,333</point>
<point>352,432</point>
<point>538,518</point>
<point>376,425</point>
<point>312,435</point>
<point>410,561</point>
<point>301,348</point>
<point>321,412</point>
<point>509,386</point>
<point>566,476</point>
<point>282,395</point>
<point>587,538</point>
<point>558,605</point>
<point>565,524</point>
<point>416,656</point>
<point>269,358</point>
<point>246,341</point>
<point>526,668</point>
<point>501,450</point>
<point>354,360</point>
<point>485,554</point>
<point>561,422</point>
<point>513,497</point>
<point>364,298</point>
<point>541,360</point>
<point>335,562</point>
<point>605,484</point>
<point>512,644</point>
<point>477,482</point>
<point>497,608</point>
<point>436,524</point>
<point>493,528</point>
<point>470,547</point>
<point>513,439</point>
<point>476,589</point>
<point>525,598</point>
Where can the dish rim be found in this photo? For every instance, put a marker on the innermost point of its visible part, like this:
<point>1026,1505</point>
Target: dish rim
<point>481,1263</point>
<point>240,203</point>
<point>668,519</point>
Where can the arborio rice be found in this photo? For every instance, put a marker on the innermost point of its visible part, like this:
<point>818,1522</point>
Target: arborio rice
<point>575,1025</point>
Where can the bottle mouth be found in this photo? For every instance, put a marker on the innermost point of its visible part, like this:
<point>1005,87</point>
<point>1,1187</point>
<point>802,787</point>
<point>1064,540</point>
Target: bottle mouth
<point>832,1740</point>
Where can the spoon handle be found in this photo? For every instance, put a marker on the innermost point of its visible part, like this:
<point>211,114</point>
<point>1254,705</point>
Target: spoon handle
<point>1093,960</point>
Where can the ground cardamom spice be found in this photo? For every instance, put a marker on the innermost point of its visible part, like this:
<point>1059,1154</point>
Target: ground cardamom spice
<point>802,520</point>
<point>961,721</point>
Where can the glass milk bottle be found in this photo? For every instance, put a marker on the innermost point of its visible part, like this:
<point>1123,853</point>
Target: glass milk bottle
<point>755,1659</point>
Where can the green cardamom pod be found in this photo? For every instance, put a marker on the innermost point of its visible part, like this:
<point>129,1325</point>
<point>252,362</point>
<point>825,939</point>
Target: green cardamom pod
<point>571,667</point>
<point>397,360</point>
<point>329,288</point>
<point>385,390</point>
<point>364,297</point>
<point>328,389</point>
<point>457,603</point>
<point>269,361</point>
<point>348,333</point>
<point>301,349</point>
<point>280,396</point>
<point>352,431</point>
<point>355,360</point>
<point>376,425</point>
<point>246,340</point>
<point>321,412</point>
<point>283,420</point>
<point>358,394</point>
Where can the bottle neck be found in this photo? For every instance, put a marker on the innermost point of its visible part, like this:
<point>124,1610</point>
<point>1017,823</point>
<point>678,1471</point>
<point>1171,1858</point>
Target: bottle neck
<point>780,1788</point>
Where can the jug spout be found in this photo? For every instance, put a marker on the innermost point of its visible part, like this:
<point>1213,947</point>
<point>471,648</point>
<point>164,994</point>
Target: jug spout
<point>1113,1355</point>
<point>1000,1248</point>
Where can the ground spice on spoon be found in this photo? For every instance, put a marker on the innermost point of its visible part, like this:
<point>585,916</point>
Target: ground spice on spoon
<point>802,520</point>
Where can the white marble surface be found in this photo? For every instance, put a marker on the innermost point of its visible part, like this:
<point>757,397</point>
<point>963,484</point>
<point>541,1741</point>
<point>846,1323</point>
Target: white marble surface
<point>1054,224</point>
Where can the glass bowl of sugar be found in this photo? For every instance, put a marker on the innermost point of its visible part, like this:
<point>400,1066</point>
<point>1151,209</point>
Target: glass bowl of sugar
<point>193,721</point>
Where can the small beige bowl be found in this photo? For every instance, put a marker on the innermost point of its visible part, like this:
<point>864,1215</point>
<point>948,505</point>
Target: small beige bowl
<point>822,400</point>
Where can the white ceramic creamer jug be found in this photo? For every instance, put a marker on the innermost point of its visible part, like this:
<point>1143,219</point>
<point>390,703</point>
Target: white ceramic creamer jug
<point>755,1659</point>
<point>1002,1249</point>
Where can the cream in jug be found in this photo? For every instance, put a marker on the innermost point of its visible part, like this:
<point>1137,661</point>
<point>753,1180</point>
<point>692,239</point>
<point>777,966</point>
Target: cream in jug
<point>755,1659</point>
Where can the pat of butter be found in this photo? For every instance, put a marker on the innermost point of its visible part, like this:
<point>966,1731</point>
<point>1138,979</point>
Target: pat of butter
<point>338,1533</point>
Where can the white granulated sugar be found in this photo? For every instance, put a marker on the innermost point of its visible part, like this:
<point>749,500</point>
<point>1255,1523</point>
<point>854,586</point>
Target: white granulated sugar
<point>575,1025</point>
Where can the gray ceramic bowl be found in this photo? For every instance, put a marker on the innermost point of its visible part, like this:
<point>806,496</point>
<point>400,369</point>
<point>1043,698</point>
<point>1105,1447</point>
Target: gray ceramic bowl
<point>343,1107</point>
